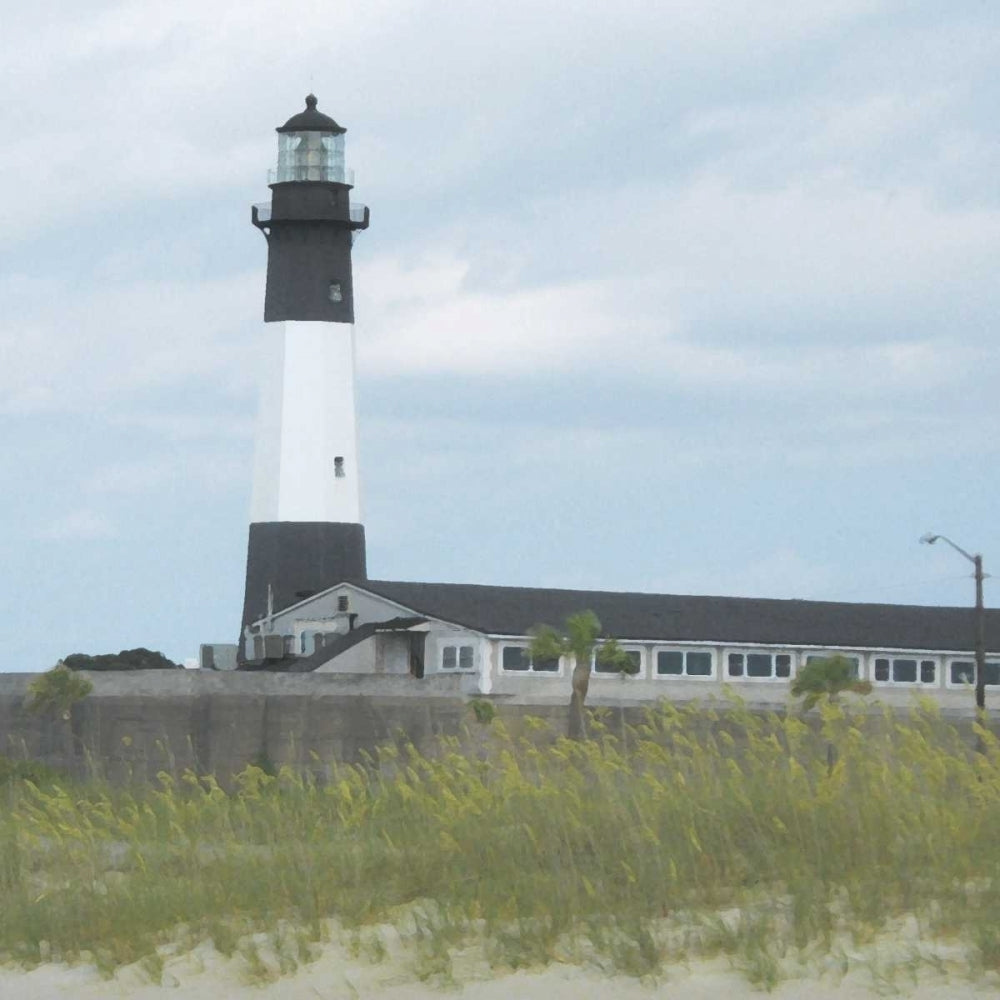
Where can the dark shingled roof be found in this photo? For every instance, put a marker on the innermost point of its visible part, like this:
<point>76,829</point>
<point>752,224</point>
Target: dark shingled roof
<point>676,618</point>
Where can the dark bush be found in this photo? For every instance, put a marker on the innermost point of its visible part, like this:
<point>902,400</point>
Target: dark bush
<point>127,659</point>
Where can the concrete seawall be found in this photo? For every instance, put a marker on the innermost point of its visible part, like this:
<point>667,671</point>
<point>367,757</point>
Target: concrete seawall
<point>136,723</point>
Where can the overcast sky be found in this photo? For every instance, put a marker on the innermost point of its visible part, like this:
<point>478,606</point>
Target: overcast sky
<point>685,297</point>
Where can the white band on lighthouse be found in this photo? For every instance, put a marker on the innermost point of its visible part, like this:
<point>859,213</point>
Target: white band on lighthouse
<point>306,459</point>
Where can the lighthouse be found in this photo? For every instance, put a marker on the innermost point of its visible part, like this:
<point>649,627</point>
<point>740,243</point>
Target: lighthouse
<point>305,520</point>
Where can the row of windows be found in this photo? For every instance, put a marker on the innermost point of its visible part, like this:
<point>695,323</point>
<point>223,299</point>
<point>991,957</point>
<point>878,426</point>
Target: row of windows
<point>755,665</point>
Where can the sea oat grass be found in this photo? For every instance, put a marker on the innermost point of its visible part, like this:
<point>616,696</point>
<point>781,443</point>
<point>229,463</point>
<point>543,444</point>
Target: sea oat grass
<point>638,842</point>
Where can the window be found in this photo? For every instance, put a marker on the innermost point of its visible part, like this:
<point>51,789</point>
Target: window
<point>343,602</point>
<point>685,663</point>
<point>518,658</point>
<point>904,670</point>
<point>607,670</point>
<point>336,292</point>
<point>338,467</point>
<point>457,657</point>
<point>854,661</point>
<point>759,666</point>
<point>964,672</point>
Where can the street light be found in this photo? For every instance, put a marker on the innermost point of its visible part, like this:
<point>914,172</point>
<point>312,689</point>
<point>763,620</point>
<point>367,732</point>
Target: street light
<point>977,561</point>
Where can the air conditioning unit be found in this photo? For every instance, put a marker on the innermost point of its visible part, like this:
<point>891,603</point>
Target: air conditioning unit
<point>217,656</point>
<point>274,647</point>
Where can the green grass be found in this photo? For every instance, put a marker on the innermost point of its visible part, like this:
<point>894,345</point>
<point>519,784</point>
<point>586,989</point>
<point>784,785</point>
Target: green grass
<point>713,832</point>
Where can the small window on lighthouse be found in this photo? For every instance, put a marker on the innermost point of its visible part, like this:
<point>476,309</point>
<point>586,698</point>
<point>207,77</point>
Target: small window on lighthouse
<point>336,294</point>
<point>338,467</point>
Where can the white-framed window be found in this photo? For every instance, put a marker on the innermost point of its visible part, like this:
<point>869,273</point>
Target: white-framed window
<point>672,662</point>
<point>635,654</point>
<point>458,656</point>
<point>854,659</point>
<point>518,659</point>
<point>758,665</point>
<point>899,669</point>
<point>961,672</point>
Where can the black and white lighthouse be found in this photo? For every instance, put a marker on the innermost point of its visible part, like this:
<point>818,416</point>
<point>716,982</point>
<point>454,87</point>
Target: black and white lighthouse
<point>305,530</point>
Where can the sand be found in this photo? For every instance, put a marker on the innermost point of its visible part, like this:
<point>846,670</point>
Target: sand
<point>896,965</point>
<point>335,981</point>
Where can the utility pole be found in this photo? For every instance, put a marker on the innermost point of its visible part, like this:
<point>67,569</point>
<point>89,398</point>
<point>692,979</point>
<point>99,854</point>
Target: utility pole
<point>977,560</point>
<point>978,616</point>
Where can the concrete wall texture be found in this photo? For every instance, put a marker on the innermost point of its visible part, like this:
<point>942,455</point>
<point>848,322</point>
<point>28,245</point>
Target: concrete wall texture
<point>137,723</point>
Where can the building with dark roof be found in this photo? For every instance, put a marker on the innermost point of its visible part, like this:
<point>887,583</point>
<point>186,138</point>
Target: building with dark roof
<point>309,605</point>
<point>683,646</point>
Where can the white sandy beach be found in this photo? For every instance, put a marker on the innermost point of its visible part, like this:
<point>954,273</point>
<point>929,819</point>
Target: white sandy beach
<point>889,966</point>
<point>336,981</point>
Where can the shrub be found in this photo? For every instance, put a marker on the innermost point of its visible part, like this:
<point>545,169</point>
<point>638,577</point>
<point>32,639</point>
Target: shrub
<point>57,690</point>
<point>484,711</point>
<point>127,659</point>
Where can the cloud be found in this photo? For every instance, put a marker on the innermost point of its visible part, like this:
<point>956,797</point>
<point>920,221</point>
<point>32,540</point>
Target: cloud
<point>427,321</point>
<point>195,469</point>
<point>83,525</point>
<point>771,318</point>
<point>782,573</point>
<point>160,102</point>
<point>68,348</point>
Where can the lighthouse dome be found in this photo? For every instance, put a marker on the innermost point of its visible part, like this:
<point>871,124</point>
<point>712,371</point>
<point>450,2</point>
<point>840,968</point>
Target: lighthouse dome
<point>311,120</point>
<point>310,147</point>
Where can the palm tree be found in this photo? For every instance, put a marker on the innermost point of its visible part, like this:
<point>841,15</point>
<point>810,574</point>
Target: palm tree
<point>826,679</point>
<point>578,639</point>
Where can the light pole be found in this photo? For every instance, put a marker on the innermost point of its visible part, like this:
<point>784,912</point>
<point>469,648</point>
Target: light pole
<point>977,561</point>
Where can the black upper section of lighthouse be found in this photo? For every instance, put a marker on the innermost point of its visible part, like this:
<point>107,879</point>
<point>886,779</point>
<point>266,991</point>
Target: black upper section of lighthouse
<point>310,223</point>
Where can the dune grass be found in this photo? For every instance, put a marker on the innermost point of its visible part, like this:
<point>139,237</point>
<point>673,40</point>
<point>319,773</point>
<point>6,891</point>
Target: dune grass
<point>701,831</point>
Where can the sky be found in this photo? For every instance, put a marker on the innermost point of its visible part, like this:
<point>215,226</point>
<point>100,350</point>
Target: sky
<point>684,296</point>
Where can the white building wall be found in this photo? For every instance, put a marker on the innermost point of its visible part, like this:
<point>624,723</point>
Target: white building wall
<point>527,687</point>
<point>392,653</point>
<point>306,421</point>
<point>478,678</point>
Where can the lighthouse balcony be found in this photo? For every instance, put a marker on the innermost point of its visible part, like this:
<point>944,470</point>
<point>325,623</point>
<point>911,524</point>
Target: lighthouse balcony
<point>356,213</point>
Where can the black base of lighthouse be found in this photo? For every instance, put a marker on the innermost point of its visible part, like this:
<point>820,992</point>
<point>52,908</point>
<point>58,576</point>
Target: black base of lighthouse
<point>296,559</point>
